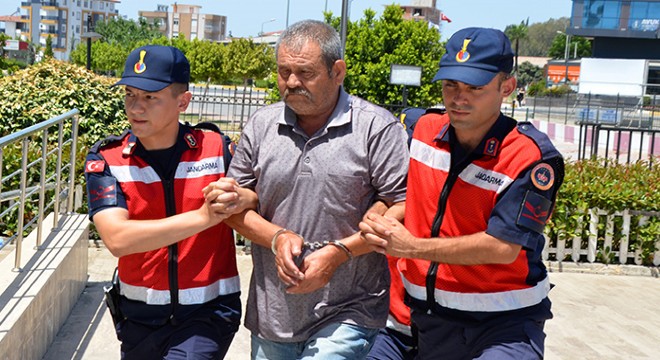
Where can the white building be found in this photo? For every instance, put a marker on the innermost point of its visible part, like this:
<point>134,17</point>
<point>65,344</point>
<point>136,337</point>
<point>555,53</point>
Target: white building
<point>188,21</point>
<point>66,21</point>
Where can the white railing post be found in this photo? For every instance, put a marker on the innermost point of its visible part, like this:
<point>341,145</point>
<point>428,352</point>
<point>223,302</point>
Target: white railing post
<point>21,207</point>
<point>42,186</point>
<point>625,238</point>
<point>577,240</point>
<point>593,235</point>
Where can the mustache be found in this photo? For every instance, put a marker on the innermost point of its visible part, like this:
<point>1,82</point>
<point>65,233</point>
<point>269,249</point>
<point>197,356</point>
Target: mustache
<point>297,91</point>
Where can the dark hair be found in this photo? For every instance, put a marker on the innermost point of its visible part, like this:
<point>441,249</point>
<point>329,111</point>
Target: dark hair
<point>298,34</point>
<point>179,88</point>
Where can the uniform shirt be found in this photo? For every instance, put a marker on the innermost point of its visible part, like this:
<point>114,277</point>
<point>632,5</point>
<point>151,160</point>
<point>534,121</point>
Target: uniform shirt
<point>320,187</point>
<point>180,278</point>
<point>505,187</point>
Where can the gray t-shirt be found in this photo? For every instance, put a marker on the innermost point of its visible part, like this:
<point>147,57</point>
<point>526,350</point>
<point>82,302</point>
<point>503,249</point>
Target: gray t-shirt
<point>320,187</point>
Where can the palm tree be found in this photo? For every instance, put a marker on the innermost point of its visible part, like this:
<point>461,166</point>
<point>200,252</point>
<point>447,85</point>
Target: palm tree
<point>515,34</point>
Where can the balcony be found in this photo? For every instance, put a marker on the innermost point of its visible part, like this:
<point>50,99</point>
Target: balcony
<point>50,17</point>
<point>49,3</point>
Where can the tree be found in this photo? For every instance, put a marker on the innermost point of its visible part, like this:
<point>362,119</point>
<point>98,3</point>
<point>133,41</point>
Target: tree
<point>206,61</point>
<point>48,53</point>
<point>126,33</point>
<point>540,37</point>
<point>528,73</point>
<point>246,59</point>
<point>373,45</point>
<point>578,47</point>
<point>515,34</point>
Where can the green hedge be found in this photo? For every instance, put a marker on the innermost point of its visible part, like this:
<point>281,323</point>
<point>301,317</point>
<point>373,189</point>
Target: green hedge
<point>604,184</point>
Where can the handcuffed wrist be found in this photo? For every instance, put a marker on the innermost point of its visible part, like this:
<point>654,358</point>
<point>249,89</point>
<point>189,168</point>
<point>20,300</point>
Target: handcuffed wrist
<point>343,247</point>
<point>273,241</point>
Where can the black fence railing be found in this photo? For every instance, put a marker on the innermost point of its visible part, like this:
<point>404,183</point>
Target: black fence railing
<point>619,144</point>
<point>618,111</point>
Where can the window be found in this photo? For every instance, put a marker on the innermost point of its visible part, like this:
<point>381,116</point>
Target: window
<point>77,29</point>
<point>644,16</point>
<point>601,14</point>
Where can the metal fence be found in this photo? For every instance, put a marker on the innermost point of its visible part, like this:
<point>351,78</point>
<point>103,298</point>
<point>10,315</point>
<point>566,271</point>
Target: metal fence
<point>37,186</point>
<point>228,107</point>
<point>625,145</point>
<point>620,111</point>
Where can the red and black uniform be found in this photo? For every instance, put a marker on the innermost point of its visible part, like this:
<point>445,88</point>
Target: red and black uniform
<point>505,187</point>
<point>196,277</point>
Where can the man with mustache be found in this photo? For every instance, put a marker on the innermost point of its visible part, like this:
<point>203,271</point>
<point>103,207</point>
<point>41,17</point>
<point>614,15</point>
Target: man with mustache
<point>318,161</point>
<point>481,188</point>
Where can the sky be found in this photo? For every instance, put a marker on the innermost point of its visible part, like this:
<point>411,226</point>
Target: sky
<point>247,17</point>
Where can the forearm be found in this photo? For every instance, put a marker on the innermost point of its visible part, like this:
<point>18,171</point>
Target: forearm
<point>254,227</point>
<point>474,249</point>
<point>356,244</point>
<point>123,236</point>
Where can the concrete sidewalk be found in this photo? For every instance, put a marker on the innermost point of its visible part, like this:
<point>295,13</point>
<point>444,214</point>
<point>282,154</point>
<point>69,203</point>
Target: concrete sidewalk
<point>596,317</point>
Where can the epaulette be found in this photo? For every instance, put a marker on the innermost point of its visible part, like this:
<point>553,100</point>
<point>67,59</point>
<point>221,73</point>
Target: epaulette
<point>439,111</point>
<point>108,140</point>
<point>207,126</point>
<point>541,139</point>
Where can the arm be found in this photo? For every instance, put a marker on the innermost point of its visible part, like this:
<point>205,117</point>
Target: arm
<point>391,236</point>
<point>124,236</point>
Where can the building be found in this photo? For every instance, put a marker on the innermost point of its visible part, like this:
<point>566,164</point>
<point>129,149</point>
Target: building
<point>422,10</point>
<point>66,21</point>
<point>621,30</point>
<point>12,26</point>
<point>187,20</point>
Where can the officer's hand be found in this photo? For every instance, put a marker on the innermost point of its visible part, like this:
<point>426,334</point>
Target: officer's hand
<point>223,196</point>
<point>387,235</point>
<point>288,246</point>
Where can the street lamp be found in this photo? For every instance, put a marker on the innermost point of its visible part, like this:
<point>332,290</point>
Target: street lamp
<point>264,23</point>
<point>566,52</point>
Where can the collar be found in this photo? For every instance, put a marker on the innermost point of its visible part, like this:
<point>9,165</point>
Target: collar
<point>341,115</point>
<point>491,143</point>
<point>186,136</point>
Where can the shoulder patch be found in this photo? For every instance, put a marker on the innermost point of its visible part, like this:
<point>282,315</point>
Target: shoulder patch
<point>102,192</point>
<point>543,176</point>
<point>94,166</point>
<point>534,212</point>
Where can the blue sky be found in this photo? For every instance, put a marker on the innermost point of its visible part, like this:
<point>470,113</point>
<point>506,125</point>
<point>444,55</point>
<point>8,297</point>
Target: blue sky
<point>246,17</point>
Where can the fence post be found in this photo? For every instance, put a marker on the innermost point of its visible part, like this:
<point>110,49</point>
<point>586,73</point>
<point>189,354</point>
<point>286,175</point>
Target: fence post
<point>549,107</point>
<point>625,238</point>
<point>616,109</point>
<point>566,115</point>
<point>21,208</point>
<point>593,235</point>
<point>577,239</point>
<point>42,185</point>
<point>72,164</point>
<point>58,175</point>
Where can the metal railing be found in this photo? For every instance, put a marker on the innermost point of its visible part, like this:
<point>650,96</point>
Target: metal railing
<point>40,177</point>
<point>625,145</point>
<point>228,107</point>
<point>619,111</point>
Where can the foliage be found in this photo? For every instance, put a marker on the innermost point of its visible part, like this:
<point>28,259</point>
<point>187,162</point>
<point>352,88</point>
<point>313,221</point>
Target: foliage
<point>106,58</point>
<point>540,36</point>
<point>126,33</point>
<point>246,59</point>
<point>558,47</point>
<point>613,187</point>
<point>536,88</point>
<point>206,61</point>
<point>528,73</point>
<point>373,45</point>
<point>51,88</point>
<point>516,33</point>
<point>48,52</point>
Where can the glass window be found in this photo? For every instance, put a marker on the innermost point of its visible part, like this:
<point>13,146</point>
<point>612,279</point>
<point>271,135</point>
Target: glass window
<point>644,16</point>
<point>601,14</point>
